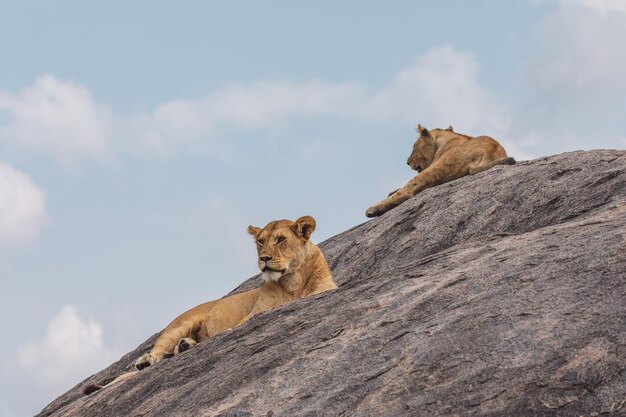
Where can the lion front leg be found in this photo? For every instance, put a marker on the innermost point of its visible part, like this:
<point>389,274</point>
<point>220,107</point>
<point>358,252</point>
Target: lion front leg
<point>388,203</point>
<point>165,344</point>
<point>184,344</point>
<point>256,309</point>
<point>149,359</point>
<point>259,306</point>
<point>426,179</point>
<point>245,319</point>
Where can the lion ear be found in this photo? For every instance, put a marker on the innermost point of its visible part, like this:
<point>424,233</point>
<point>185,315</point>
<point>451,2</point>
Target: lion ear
<point>450,129</point>
<point>254,231</point>
<point>304,226</point>
<point>422,131</point>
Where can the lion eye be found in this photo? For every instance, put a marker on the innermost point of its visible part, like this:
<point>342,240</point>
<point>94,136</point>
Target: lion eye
<point>280,239</point>
<point>260,241</point>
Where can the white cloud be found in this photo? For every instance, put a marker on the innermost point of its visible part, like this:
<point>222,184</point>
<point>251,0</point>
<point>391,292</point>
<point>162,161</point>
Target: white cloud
<point>579,62</point>
<point>39,370</point>
<point>71,350</point>
<point>267,104</point>
<point>22,208</point>
<point>576,89</point>
<point>442,88</point>
<point>56,117</point>
<point>597,5</point>
<point>581,53</point>
<point>600,5</point>
<point>63,118</point>
<point>261,105</point>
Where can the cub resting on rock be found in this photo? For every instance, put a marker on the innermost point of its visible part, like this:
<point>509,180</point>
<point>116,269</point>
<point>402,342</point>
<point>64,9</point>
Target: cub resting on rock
<point>440,156</point>
<point>292,266</point>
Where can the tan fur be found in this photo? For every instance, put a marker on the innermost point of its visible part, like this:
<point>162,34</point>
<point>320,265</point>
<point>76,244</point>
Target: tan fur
<point>440,156</point>
<point>293,267</point>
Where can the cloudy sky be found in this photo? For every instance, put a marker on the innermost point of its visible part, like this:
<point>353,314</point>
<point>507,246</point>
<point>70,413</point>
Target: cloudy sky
<point>139,139</point>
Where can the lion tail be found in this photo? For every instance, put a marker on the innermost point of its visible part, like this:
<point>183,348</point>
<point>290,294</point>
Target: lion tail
<point>505,161</point>
<point>501,161</point>
<point>91,388</point>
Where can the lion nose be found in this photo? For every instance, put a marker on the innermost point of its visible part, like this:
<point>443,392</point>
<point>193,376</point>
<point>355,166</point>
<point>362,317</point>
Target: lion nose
<point>265,258</point>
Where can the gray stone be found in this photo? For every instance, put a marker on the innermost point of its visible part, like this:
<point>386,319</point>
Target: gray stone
<point>499,294</point>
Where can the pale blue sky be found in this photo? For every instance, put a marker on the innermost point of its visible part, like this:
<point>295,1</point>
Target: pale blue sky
<point>139,139</point>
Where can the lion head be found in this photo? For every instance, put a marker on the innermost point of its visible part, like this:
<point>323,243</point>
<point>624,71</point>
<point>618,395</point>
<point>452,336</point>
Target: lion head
<point>282,246</point>
<point>425,147</point>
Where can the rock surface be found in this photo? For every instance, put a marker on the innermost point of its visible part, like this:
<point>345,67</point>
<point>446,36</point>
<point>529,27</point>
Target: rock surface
<point>499,294</point>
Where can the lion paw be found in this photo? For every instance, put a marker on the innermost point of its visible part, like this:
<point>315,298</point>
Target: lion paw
<point>373,212</point>
<point>184,344</point>
<point>145,361</point>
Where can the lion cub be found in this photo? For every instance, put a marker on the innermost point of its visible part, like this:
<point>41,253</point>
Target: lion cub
<point>292,267</point>
<point>440,156</point>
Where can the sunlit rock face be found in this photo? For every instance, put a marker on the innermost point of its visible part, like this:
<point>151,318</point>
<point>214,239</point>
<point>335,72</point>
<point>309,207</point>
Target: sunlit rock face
<point>499,294</point>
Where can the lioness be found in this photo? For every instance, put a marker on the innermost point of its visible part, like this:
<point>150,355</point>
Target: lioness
<point>293,267</point>
<point>442,155</point>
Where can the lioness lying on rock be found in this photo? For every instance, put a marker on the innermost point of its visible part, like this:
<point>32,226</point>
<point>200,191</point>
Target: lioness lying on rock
<point>440,156</point>
<point>292,266</point>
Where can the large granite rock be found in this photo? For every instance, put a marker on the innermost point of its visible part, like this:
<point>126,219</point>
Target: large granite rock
<point>499,294</point>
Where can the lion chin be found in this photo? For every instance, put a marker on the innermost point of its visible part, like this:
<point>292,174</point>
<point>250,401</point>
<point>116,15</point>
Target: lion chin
<point>272,275</point>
